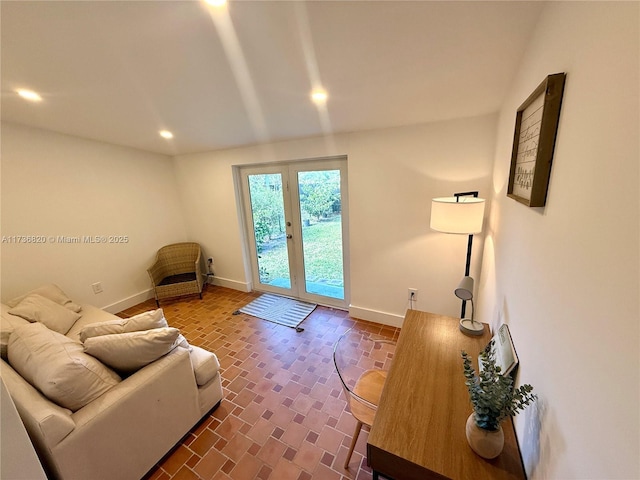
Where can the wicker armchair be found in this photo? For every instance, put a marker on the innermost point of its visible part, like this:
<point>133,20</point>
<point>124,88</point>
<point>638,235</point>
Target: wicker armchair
<point>177,271</point>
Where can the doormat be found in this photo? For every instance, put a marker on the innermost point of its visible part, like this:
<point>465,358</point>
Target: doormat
<point>280,310</point>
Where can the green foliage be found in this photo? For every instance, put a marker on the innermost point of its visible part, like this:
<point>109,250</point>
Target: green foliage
<point>319,198</point>
<point>322,254</point>
<point>323,251</point>
<point>320,192</point>
<point>492,394</point>
<point>319,201</point>
<point>266,207</point>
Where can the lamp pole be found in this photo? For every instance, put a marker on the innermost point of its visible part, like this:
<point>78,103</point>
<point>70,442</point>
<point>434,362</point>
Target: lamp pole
<point>469,245</point>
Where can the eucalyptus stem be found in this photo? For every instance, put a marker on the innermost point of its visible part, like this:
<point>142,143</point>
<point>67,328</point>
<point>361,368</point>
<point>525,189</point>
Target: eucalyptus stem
<point>492,394</point>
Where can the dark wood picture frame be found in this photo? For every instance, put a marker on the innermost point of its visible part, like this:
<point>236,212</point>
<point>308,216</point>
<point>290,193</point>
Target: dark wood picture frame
<point>534,140</point>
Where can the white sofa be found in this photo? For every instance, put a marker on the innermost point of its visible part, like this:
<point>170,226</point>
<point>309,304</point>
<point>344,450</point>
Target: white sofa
<point>124,432</point>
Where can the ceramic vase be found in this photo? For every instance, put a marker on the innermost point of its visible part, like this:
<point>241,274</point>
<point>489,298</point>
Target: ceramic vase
<point>486,443</point>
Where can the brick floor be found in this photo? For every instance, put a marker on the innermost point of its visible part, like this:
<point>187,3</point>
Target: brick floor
<point>284,414</point>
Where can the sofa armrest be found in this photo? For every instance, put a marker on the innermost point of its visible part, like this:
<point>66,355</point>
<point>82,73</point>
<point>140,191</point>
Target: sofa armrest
<point>205,364</point>
<point>46,422</point>
<point>134,385</point>
<point>161,400</point>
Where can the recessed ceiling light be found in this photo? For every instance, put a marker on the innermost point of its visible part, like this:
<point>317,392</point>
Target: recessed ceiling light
<point>216,3</point>
<point>29,95</point>
<point>319,95</point>
<point>166,134</point>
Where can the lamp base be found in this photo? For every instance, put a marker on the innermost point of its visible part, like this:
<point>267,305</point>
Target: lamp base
<point>471,327</point>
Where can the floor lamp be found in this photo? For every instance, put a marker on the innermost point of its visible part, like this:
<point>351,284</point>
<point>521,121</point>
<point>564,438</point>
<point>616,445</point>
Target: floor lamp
<point>461,214</point>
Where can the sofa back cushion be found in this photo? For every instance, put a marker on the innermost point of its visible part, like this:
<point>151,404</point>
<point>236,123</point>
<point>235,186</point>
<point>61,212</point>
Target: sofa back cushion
<point>36,308</point>
<point>143,321</point>
<point>53,293</point>
<point>58,366</point>
<point>8,323</point>
<point>130,351</point>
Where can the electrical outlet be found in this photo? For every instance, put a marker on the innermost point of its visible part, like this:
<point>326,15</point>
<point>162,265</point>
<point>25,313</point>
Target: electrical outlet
<point>413,294</point>
<point>97,287</point>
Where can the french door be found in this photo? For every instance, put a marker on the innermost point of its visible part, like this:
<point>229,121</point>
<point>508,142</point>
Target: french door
<point>296,227</point>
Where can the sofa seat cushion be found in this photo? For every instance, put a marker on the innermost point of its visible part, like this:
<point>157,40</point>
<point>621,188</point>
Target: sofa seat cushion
<point>144,321</point>
<point>205,365</point>
<point>58,366</point>
<point>128,352</point>
<point>36,308</point>
<point>53,293</point>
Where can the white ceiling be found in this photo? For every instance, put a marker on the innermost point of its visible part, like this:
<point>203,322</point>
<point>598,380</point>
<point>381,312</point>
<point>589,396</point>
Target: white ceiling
<point>120,71</point>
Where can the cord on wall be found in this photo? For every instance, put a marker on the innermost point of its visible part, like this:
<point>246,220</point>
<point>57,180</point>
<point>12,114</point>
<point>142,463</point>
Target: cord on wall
<point>412,298</point>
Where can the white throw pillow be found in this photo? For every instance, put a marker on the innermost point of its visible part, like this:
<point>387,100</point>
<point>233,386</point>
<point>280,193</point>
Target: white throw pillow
<point>58,366</point>
<point>37,308</point>
<point>53,293</point>
<point>144,321</point>
<point>182,342</point>
<point>130,351</point>
<point>8,323</point>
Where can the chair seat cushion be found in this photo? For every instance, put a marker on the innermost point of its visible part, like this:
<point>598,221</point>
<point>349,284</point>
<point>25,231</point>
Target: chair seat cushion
<point>179,278</point>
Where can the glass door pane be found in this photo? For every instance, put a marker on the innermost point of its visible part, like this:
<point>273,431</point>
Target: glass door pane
<point>296,218</point>
<point>321,218</point>
<point>269,228</point>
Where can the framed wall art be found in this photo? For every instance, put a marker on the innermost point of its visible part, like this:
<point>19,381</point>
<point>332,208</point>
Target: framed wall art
<point>534,140</point>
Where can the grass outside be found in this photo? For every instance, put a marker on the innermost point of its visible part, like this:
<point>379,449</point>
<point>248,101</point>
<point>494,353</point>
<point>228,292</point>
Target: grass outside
<point>322,244</point>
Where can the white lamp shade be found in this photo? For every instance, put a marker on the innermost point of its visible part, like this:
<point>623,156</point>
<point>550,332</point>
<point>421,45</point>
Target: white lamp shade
<point>465,289</point>
<point>464,216</point>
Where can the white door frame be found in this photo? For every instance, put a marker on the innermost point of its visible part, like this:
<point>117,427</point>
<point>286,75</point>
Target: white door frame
<point>289,173</point>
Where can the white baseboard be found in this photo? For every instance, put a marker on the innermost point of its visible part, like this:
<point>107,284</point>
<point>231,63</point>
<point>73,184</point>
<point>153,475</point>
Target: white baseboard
<point>370,315</point>
<point>233,284</point>
<point>376,316</point>
<point>147,294</point>
<point>129,301</point>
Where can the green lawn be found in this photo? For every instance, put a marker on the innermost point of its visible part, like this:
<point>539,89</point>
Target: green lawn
<point>322,254</point>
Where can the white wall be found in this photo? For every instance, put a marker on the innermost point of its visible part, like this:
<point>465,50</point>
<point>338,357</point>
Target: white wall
<point>393,174</point>
<point>207,190</point>
<point>566,277</point>
<point>56,185</point>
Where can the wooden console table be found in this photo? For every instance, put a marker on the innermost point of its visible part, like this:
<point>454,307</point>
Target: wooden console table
<point>419,428</point>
